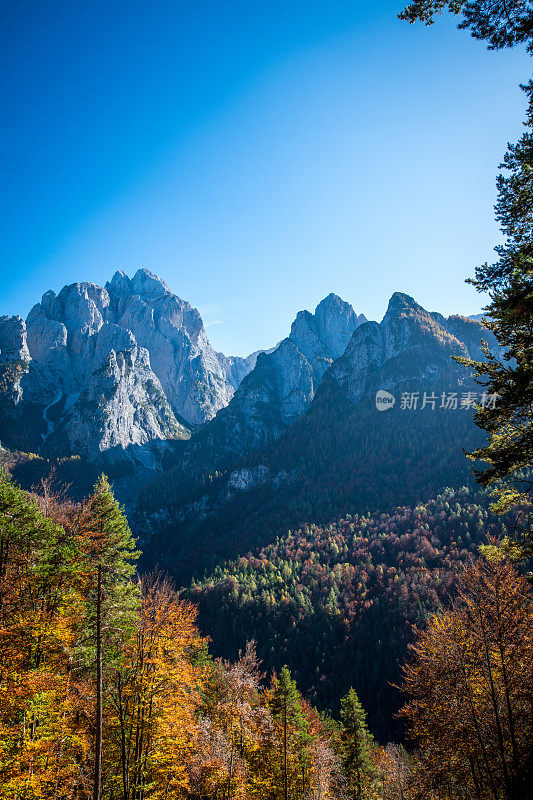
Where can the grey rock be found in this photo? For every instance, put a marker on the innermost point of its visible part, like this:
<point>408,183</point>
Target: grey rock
<point>280,387</point>
<point>243,479</point>
<point>14,358</point>
<point>13,340</point>
<point>237,367</point>
<point>192,374</point>
<point>91,342</point>
<point>287,378</point>
<point>122,408</point>
<point>411,344</point>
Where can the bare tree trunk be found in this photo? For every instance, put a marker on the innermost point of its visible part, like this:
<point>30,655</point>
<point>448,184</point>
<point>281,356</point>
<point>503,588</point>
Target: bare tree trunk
<point>285,781</point>
<point>98,740</point>
<point>123,755</point>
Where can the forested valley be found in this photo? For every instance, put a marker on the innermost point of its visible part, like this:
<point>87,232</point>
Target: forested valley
<point>356,625</point>
<point>108,688</point>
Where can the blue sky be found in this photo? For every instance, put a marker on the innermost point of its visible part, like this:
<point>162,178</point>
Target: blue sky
<point>257,155</point>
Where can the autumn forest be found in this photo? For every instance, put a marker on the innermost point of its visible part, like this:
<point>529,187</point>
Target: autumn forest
<point>108,689</point>
<point>296,597</point>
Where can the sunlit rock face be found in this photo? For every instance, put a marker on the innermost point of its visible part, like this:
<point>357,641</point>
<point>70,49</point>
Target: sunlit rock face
<point>192,374</point>
<point>113,368</point>
<point>14,357</point>
<point>279,389</point>
<point>410,344</point>
<point>122,408</point>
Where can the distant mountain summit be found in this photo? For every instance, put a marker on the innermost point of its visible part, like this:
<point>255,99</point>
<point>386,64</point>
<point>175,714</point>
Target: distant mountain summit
<point>343,454</point>
<point>409,344</point>
<point>110,371</point>
<point>279,389</point>
<point>117,372</point>
<point>196,380</point>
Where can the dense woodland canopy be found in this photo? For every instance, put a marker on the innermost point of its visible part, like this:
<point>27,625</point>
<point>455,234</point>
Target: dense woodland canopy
<point>108,690</point>
<point>109,686</point>
<point>337,460</point>
<point>106,686</point>
<point>337,602</point>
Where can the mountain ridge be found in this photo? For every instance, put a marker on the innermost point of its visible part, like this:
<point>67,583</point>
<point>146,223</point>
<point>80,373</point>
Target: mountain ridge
<point>279,389</point>
<point>163,378</point>
<point>342,455</point>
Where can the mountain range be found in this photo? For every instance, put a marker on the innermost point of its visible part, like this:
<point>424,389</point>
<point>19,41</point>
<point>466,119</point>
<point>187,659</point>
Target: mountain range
<point>341,455</point>
<point>111,373</point>
<point>216,453</point>
<point>117,374</point>
<point>314,496</point>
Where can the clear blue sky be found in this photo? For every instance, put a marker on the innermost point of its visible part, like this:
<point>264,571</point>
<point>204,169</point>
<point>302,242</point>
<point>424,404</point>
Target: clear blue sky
<point>257,155</point>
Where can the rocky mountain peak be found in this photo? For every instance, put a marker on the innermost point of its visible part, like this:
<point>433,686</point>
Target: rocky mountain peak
<point>119,283</point>
<point>281,386</point>
<point>410,344</point>
<point>336,321</point>
<point>13,342</point>
<point>401,305</point>
<point>407,324</point>
<point>144,283</point>
<point>332,306</point>
<point>326,333</point>
<point>148,286</point>
<point>139,331</point>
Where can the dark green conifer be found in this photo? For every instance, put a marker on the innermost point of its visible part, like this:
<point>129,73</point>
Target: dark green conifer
<point>506,410</point>
<point>287,707</point>
<point>111,558</point>
<point>356,740</point>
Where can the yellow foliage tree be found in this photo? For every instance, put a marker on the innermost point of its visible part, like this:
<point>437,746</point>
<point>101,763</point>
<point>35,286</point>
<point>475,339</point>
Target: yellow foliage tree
<point>155,696</point>
<point>470,683</point>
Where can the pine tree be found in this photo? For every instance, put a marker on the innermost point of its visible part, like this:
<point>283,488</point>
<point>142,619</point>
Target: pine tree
<point>508,418</point>
<point>356,741</point>
<point>295,738</point>
<point>110,558</point>
<point>502,23</point>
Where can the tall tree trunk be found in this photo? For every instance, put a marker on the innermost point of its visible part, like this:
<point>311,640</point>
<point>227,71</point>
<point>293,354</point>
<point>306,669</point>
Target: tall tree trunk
<point>123,752</point>
<point>231,766</point>
<point>495,705</point>
<point>285,781</point>
<point>98,740</point>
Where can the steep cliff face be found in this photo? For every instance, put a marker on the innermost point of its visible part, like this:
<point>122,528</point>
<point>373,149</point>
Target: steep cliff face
<point>71,332</point>
<point>123,407</point>
<point>107,370</point>
<point>412,349</point>
<point>409,344</point>
<point>343,455</point>
<point>192,374</point>
<point>14,358</point>
<point>279,389</point>
<point>13,340</point>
